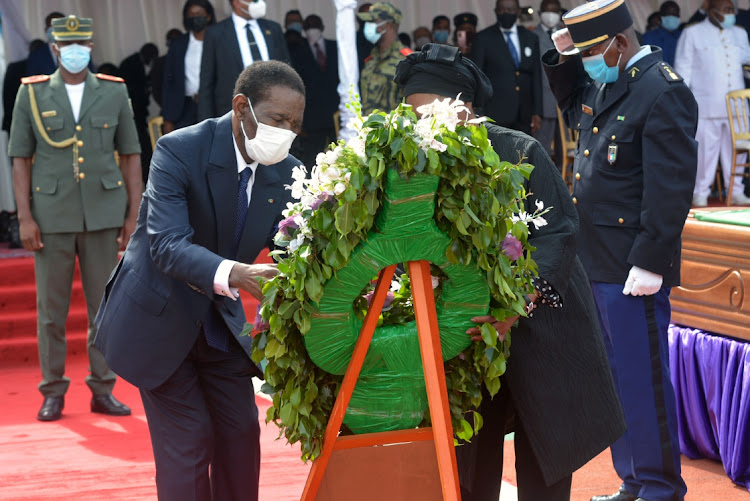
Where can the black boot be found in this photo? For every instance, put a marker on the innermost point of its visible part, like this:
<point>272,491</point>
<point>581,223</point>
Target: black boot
<point>15,234</point>
<point>4,226</point>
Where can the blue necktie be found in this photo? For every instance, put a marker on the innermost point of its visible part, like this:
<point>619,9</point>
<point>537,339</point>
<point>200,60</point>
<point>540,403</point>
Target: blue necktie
<point>512,48</point>
<point>217,334</point>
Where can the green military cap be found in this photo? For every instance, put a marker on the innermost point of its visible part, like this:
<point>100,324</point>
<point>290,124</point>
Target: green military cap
<point>595,22</point>
<point>465,18</point>
<point>381,11</point>
<point>72,28</point>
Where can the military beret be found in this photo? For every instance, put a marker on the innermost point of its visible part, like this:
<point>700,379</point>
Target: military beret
<point>595,22</point>
<point>465,18</point>
<point>72,28</point>
<point>443,70</point>
<point>381,11</point>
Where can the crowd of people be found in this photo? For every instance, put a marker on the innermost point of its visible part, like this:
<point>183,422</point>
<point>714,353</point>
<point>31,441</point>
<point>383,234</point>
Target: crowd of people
<point>652,128</point>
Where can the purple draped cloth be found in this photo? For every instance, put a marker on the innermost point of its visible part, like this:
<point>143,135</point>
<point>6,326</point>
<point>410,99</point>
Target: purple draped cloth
<point>711,379</point>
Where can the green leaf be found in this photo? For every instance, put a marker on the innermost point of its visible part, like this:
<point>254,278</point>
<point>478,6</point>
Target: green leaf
<point>344,220</point>
<point>421,160</point>
<point>489,334</point>
<point>471,214</point>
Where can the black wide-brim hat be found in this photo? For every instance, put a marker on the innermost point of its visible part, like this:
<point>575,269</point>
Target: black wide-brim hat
<point>595,22</point>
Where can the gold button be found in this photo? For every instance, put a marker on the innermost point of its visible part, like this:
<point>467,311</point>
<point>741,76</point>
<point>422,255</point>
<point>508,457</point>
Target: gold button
<point>578,176</point>
<point>106,126</point>
<point>119,183</point>
<point>80,160</point>
<point>575,201</point>
<point>38,188</point>
<point>80,143</point>
<point>596,130</point>
<point>49,128</point>
<point>621,220</point>
<point>518,88</point>
<point>81,175</point>
<point>585,153</point>
<point>518,73</point>
<point>614,137</point>
<point>79,128</point>
<point>579,124</point>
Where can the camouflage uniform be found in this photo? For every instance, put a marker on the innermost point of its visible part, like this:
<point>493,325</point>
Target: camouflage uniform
<point>377,88</point>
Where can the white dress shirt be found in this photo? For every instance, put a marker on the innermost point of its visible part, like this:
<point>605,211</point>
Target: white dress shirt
<point>221,277</point>
<point>514,38</point>
<point>193,65</point>
<point>710,60</point>
<point>239,28</point>
<point>75,94</point>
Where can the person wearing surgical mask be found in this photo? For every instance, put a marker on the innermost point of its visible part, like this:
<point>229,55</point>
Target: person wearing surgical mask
<point>378,91</point>
<point>709,56</point>
<point>548,134</point>
<point>76,205</point>
<point>172,319</point>
<point>42,61</point>
<point>293,28</point>
<point>668,32</point>
<point>422,36</point>
<point>317,63</point>
<point>181,80</point>
<point>441,29</point>
<point>245,33</point>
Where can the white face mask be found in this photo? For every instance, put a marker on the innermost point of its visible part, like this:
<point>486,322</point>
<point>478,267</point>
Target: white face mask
<point>255,10</point>
<point>550,19</point>
<point>313,34</point>
<point>270,145</point>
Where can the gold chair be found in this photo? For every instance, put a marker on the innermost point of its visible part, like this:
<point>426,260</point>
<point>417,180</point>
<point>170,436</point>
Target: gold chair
<point>738,107</point>
<point>569,139</point>
<point>155,130</point>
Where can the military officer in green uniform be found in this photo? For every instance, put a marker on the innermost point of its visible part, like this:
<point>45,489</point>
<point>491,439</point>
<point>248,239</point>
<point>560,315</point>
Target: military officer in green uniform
<point>73,199</point>
<point>377,88</point>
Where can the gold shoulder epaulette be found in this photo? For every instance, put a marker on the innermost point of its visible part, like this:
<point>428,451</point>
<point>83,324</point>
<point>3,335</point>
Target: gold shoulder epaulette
<point>34,79</point>
<point>111,78</point>
<point>668,73</point>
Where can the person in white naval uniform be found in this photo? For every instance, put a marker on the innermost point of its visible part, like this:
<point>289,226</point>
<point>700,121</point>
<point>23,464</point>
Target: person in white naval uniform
<point>709,56</point>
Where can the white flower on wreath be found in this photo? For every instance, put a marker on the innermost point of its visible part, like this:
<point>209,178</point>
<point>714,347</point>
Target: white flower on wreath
<point>536,218</point>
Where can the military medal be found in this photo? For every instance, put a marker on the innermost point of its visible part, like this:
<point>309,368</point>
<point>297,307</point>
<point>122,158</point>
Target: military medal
<point>612,154</point>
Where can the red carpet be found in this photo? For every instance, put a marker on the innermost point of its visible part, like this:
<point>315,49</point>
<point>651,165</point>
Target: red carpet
<point>87,456</point>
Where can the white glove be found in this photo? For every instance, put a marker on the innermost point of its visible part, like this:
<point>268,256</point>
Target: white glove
<point>641,282</point>
<point>562,40</point>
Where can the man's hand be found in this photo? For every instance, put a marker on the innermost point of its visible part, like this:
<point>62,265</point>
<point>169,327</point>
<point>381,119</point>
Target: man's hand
<point>125,232</point>
<point>502,328</point>
<point>642,282</point>
<point>563,41</point>
<point>245,277</point>
<point>31,236</point>
<point>536,123</point>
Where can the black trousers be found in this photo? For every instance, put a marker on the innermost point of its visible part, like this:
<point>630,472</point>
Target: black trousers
<point>480,463</point>
<point>204,428</point>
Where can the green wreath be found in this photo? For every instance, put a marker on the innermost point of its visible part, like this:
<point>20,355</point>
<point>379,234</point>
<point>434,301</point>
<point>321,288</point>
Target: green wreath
<point>404,189</point>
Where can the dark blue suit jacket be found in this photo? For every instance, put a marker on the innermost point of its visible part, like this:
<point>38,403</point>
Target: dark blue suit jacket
<point>41,62</point>
<point>160,293</point>
<point>221,63</point>
<point>173,88</point>
<point>322,97</point>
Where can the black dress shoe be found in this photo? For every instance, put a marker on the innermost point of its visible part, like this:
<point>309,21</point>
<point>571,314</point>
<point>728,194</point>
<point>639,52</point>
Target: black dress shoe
<point>621,495</point>
<point>52,408</point>
<point>107,404</point>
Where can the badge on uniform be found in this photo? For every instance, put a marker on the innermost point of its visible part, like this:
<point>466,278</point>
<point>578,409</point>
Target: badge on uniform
<point>587,110</point>
<point>612,154</point>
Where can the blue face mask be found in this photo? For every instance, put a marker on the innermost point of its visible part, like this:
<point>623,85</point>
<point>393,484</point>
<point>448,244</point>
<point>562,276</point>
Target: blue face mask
<point>371,32</point>
<point>729,21</point>
<point>670,23</point>
<point>597,67</point>
<point>295,27</point>
<point>75,58</point>
<point>441,36</point>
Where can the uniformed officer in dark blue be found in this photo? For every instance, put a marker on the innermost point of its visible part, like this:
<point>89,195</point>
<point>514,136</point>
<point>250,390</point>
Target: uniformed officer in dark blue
<point>633,181</point>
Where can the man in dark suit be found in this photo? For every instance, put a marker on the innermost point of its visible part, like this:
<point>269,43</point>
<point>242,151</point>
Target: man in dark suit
<point>135,70</point>
<point>633,181</point>
<point>316,61</point>
<point>157,70</point>
<point>509,55</point>
<point>234,44</point>
<point>42,60</point>
<point>171,318</point>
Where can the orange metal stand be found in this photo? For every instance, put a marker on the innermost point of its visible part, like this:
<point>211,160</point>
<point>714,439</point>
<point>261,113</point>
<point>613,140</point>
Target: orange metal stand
<point>441,432</point>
